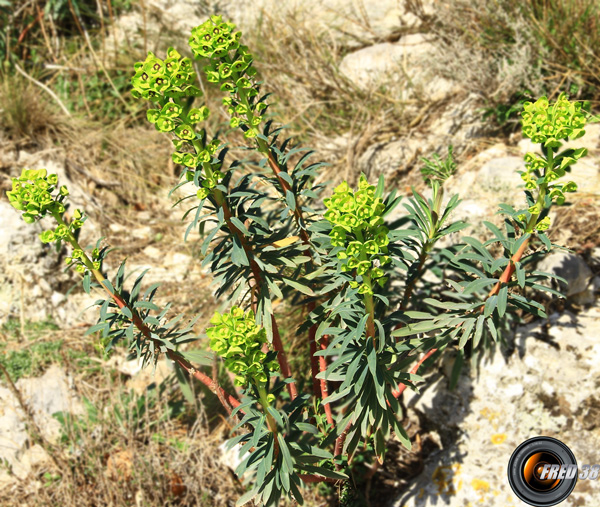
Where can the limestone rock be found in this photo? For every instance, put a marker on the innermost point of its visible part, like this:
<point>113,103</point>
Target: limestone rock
<point>45,396</point>
<point>571,267</point>
<point>546,387</point>
<point>390,159</point>
<point>501,172</point>
<point>400,62</point>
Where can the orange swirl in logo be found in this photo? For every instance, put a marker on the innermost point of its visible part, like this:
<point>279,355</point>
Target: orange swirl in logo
<point>532,471</point>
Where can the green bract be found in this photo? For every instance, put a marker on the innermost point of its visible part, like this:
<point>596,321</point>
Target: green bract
<point>357,219</point>
<point>548,123</point>
<point>236,337</point>
<point>32,193</point>
<point>230,65</point>
<point>214,38</point>
<point>168,84</point>
<point>156,80</point>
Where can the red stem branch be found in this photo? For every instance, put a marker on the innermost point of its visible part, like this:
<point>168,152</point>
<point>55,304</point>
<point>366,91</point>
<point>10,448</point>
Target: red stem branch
<point>284,365</point>
<point>175,356</point>
<point>510,269</point>
<point>324,342</point>
<point>415,369</point>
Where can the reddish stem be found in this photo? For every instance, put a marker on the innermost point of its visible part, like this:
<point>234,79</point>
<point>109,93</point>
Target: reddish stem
<point>314,364</point>
<point>175,356</point>
<point>324,342</point>
<point>415,369</point>
<point>205,379</point>
<point>339,441</point>
<point>509,270</point>
<point>284,365</point>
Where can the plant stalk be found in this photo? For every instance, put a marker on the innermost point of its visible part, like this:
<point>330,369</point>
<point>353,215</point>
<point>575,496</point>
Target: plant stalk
<point>137,321</point>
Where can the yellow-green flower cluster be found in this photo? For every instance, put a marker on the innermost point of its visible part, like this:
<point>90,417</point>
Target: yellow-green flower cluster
<point>357,219</point>
<point>64,231</point>
<point>168,84</point>
<point>548,123</point>
<point>214,38</point>
<point>32,194</point>
<point>236,337</point>
<point>538,173</point>
<point>230,64</point>
<point>157,80</point>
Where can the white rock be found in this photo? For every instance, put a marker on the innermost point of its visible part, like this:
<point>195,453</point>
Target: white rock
<point>390,159</point>
<point>44,396</point>
<point>143,232</point>
<point>349,22</point>
<point>553,395</point>
<point>400,62</point>
<point>501,172</point>
<point>569,266</point>
<point>57,298</point>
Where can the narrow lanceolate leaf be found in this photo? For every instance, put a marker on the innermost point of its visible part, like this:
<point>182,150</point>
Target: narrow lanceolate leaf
<point>545,240</point>
<point>86,282</point>
<point>456,369</point>
<point>490,305</point>
<point>325,472</point>
<point>298,286</point>
<point>239,225</point>
<point>478,331</point>
<point>202,357</point>
<point>238,255</point>
<point>290,200</point>
<point>285,452</point>
<point>502,300</point>
<point>467,328</point>
<point>477,285</point>
<point>246,497</point>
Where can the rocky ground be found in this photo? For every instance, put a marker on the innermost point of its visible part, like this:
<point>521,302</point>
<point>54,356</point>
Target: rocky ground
<point>548,386</point>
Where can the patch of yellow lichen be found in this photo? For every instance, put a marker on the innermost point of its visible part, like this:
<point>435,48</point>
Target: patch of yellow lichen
<point>482,487</point>
<point>491,416</point>
<point>498,438</point>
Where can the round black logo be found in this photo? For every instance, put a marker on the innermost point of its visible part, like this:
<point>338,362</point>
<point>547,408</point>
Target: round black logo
<point>542,471</point>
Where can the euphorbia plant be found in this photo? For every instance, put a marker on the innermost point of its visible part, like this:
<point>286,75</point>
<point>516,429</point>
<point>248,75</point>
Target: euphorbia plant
<point>370,319</point>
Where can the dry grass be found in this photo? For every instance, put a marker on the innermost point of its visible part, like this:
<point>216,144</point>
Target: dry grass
<point>497,48</point>
<point>128,449</point>
<point>28,116</point>
<point>300,67</point>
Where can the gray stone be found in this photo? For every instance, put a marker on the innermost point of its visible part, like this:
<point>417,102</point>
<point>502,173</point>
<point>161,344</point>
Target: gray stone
<point>571,267</point>
<point>349,22</point>
<point>402,63</point>
<point>500,172</point>
<point>391,159</point>
<point>45,396</point>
